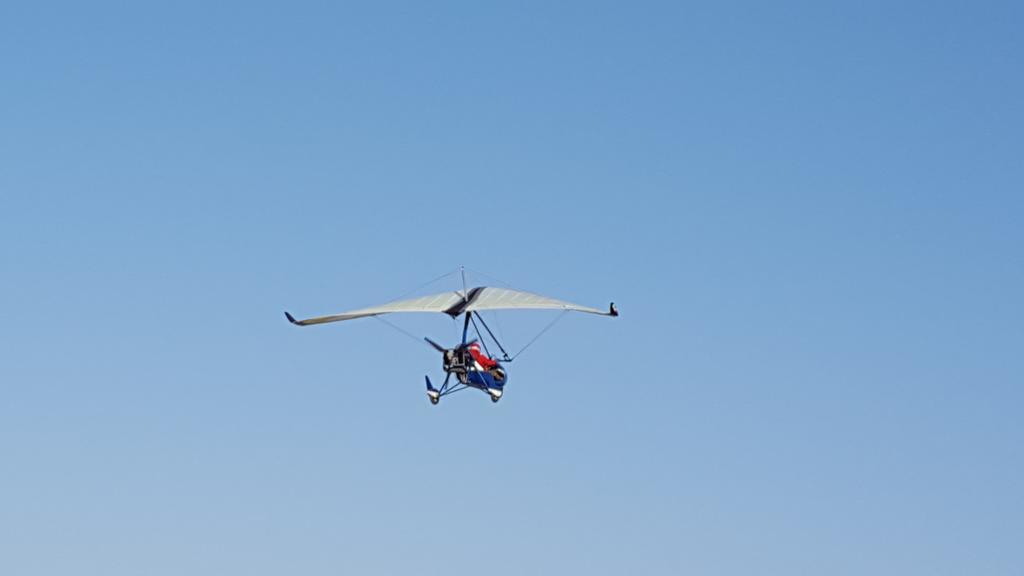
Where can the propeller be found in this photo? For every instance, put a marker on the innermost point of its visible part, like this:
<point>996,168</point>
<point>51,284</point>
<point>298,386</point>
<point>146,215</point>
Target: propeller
<point>436,346</point>
<point>442,349</point>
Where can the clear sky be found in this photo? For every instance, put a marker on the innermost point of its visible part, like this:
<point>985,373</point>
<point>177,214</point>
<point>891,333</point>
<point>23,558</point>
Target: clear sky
<point>808,213</point>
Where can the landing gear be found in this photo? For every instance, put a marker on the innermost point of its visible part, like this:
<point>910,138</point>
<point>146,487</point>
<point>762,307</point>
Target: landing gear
<point>435,396</point>
<point>489,382</point>
<point>433,393</point>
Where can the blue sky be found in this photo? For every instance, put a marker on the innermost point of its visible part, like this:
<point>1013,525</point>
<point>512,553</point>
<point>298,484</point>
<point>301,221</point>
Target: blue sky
<point>809,215</point>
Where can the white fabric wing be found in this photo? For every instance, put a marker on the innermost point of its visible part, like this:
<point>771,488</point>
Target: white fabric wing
<point>455,303</point>
<point>505,299</point>
<point>432,303</point>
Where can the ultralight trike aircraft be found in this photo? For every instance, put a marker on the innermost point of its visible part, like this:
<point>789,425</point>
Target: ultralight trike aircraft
<point>471,368</point>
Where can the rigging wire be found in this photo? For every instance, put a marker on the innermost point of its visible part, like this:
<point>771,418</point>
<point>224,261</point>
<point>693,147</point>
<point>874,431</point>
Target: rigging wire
<point>535,338</point>
<point>489,277</point>
<point>402,330</point>
<point>403,295</point>
<point>424,285</point>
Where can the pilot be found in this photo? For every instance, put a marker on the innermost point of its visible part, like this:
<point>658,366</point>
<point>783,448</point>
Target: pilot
<point>488,372</point>
<point>482,360</point>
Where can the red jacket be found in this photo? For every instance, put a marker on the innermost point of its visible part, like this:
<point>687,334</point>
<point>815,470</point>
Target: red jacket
<point>481,358</point>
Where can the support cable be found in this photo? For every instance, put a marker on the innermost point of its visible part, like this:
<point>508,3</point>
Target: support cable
<point>425,284</point>
<point>535,338</point>
<point>489,277</point>
<point>402,330</point>
<point>408,292</point>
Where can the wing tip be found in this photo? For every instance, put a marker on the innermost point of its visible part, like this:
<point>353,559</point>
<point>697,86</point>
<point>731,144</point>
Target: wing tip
<point>612,310</point>
<point>291,319</point>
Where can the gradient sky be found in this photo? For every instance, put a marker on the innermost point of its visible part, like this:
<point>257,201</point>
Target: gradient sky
<point>810,216</point>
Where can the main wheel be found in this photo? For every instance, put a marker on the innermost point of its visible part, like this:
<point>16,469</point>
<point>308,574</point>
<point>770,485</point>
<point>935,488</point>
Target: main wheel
<point>434,401</point>
<point>495,399</point>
